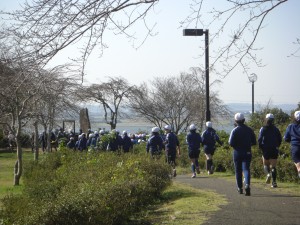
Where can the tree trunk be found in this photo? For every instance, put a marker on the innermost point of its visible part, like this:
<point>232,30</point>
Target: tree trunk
<point>19,164</point>
<point>36,142</point>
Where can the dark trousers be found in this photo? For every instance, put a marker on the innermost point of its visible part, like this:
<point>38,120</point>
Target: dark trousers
<point>242,162</point>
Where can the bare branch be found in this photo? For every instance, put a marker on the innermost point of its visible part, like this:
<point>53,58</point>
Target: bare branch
<point>239,49</point>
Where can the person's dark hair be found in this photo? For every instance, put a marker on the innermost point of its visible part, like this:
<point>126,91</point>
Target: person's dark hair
<point>269,122</point>
<point>239,122</point>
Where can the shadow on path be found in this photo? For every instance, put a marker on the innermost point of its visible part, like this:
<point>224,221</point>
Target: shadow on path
<point>262,207</point>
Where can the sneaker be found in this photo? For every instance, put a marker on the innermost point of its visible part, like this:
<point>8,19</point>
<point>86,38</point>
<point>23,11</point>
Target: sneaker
<point>247,190</point>
<point>240,190</point>
<point>268,179</point>
<point>274,185</point>
<point>194,175</point>
<point>174,173</point>
<point>198,170</point>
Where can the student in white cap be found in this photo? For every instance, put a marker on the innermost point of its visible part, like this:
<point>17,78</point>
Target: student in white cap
<point>269,140</point>
<point>154,143</point>
<point>194,141</point>
<point>171,145</point>
<point>209,139</point>
<point>241,139</point>
<point>292,135</point>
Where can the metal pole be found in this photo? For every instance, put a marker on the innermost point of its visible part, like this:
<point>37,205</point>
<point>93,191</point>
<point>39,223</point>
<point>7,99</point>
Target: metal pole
<point>252,97</point>
<point>207,75</point>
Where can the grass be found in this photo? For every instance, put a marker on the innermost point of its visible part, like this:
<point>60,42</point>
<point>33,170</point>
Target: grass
<point>7,162</point>
<point>180,204</point>
<point>183,204</point>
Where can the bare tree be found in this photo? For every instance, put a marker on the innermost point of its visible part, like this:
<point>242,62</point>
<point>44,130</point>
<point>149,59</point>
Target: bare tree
<point>56,99</point>
<point>44,28</point>
<point>24,90</point>
<point>177,101</point>
<point>239,49</point>
<point>21,86</point>
<point>144,104</point>
<point>110,95</point>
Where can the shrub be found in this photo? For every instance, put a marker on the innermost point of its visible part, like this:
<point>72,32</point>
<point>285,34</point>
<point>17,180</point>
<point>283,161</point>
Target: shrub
<point>87,188</point>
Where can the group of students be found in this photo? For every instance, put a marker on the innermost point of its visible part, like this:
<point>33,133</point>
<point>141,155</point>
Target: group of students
<point>170,143</point>
<point>241,139</point>
<point>92,139</point>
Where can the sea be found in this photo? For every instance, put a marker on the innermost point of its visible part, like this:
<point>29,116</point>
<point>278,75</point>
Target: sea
<point>137,125</point>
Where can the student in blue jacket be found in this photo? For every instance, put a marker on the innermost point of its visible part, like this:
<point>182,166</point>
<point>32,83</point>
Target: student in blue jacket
<point>209,139</point>
<point>292,135</point>
<point>269,140</point>
<point>194,141</point>
<point>154,143</point>
<point>171,147</point>
<point>241,139</point>
<point>127,144</point>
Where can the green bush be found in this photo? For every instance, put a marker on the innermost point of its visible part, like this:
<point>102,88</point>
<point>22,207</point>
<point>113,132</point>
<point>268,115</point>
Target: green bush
<point>87,188</point>
<point>3,140</point>
<point>24,140</point>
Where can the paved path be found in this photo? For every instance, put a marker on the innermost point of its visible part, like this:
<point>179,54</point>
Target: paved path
<point>262,207</point>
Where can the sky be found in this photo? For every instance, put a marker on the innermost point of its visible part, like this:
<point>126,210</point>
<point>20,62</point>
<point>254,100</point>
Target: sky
<point>169,53</point>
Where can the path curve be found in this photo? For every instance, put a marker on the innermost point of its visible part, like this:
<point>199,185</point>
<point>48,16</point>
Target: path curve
<point>262,207</point>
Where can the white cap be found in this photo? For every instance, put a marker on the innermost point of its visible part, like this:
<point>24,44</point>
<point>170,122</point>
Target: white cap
<point>239,117</point>
<point>102,132</point>
<point>124,132</point>
<point>155,129</point>
<point>193,127</point>
<point>297,115</point>
<point>209,124</point>
<point>167,127</point>
<point>269,116</point>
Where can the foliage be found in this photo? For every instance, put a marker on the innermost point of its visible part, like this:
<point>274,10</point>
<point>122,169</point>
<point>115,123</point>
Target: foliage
<point>86,188</point>
<point>3,140</point>
<point>24,139</point>
<point>257,119</point>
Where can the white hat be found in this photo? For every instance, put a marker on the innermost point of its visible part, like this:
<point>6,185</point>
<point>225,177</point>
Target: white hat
<point>269,116</point>
<point>209,124</point>
<point>95,132</point>
<point>155,129</point>
<point>102,132</point>
<point>124,132</point>
<point>193,127</point>
<point>297,115</point>
<point>91,135</point>
<point>239,117</point>
<point>167,127</point>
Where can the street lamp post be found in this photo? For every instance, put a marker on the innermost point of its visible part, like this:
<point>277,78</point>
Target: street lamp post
<point>252,78</point>
<point>200,32</point>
